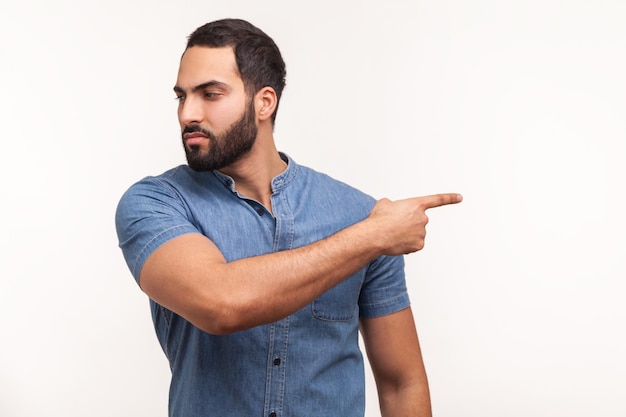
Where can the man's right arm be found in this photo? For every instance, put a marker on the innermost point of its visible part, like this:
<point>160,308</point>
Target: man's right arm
<point>190,276</point>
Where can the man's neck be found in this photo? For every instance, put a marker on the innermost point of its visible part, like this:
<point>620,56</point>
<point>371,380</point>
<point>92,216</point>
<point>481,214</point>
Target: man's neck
<point>254,172</point>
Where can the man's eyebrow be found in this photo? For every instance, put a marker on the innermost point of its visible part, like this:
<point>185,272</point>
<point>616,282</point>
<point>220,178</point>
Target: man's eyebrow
<point>202,86</point>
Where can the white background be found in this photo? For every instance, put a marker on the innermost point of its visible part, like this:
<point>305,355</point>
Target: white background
<point>518,105</point>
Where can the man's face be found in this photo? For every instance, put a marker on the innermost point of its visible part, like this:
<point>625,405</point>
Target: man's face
<point>217,120</point>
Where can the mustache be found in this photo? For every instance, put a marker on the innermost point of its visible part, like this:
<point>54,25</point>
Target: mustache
<point>197,128</point>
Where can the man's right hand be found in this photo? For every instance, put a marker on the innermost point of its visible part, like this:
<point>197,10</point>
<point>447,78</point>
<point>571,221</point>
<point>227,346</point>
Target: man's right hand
<point>401,224</point>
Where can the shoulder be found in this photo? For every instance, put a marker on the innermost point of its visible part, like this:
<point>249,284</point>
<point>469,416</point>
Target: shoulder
<point>152,211</point>
<point>333,189</point>
<point>165,196</point>
<point>177,183</point>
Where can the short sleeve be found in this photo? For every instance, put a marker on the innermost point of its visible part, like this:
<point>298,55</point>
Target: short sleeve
<point>150,213</point>
<point>384,290</point>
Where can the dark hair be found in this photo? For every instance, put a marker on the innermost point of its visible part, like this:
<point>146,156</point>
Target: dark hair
<point>258,59</point>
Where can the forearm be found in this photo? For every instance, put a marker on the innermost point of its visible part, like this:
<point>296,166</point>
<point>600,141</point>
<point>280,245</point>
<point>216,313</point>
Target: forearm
<point>267,288</point>
<point>409,401</point>
<point>395,357</point>
<point>299,276</point>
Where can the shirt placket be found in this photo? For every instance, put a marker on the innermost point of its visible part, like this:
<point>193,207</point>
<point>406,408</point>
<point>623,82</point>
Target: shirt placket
<point>276,368</point>
<point>279,331</point>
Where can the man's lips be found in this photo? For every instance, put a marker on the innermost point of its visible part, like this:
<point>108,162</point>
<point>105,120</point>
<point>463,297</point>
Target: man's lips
<point>194,138</point>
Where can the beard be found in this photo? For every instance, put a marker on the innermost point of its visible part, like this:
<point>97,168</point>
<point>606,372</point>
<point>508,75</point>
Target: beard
<point>226,148</point>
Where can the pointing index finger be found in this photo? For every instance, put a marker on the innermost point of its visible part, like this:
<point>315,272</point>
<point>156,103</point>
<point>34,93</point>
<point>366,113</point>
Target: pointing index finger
<point>438,200</point>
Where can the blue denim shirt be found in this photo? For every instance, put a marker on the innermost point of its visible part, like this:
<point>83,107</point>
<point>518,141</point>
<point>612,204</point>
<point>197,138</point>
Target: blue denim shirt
<point>307,364</point>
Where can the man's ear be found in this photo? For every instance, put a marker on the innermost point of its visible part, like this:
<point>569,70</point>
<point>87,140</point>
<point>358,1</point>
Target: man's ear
<point>265,102</point>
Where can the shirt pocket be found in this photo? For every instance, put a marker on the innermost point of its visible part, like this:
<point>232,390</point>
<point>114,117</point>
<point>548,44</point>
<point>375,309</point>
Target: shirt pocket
<point>340,303</point>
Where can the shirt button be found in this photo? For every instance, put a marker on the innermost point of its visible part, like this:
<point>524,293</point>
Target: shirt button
<point>272,414</point>
<point>276,361</point>
<point>260,211</point>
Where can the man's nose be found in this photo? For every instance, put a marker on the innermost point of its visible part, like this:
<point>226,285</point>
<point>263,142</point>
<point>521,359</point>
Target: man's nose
<point>189,111</point>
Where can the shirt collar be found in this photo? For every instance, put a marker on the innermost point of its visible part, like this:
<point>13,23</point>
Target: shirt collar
<point>279,182</point>
<point>283,179</point>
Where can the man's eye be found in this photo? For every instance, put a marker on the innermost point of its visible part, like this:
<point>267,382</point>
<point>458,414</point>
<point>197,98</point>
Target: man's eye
<point>210,95</point>
<point>179,98</point>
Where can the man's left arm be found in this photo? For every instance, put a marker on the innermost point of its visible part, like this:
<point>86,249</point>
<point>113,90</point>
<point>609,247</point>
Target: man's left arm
<point>395,357</point>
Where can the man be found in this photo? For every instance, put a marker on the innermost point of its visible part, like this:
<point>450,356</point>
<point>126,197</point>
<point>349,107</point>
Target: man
<point>260,271</point>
